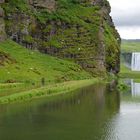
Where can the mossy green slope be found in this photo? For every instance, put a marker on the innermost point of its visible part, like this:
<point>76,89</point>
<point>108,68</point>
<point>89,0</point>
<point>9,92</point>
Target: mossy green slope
<point>27,65</point>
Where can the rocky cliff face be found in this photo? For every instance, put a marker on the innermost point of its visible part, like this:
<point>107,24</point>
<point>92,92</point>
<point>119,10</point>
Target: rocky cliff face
<point>2,23</point>
<point>79,30</point>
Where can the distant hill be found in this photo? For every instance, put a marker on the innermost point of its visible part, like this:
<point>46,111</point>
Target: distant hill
<point>131,40</point>
<point>130,45</point>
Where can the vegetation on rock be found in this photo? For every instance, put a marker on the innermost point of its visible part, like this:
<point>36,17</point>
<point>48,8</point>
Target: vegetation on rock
<point>77,30</point>
<point>30,66</point>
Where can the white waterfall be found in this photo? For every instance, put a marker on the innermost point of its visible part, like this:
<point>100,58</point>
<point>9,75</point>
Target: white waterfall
<point>135,62</point>
<point>135,88</point>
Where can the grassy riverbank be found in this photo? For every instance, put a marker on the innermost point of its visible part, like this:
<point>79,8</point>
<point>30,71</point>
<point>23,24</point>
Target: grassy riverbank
<point>22,71</point>
<point>50,90</point>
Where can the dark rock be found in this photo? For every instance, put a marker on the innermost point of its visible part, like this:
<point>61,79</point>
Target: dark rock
<point>2,23</point>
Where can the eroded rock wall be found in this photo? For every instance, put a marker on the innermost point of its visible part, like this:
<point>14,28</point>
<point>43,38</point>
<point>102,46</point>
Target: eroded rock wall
<point>78,30</point>
<point>2,23</point>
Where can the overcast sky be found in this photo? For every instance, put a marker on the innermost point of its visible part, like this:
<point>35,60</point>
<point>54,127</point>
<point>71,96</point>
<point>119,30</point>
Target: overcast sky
<point>126,15</point>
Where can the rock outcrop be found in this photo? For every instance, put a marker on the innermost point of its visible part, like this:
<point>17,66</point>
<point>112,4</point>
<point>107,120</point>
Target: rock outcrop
<point>50,5</point>
<point>79,30</point>
<point>2,23</point>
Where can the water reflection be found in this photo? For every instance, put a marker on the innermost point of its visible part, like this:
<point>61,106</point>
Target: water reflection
<point>127,123</point>
<point>85,115</point>
<point>135,64</point>
<point>134,90</point>
<point>97,112</point>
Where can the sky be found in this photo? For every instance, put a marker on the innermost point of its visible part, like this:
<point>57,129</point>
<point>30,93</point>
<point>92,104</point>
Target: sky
<point>126,16</point>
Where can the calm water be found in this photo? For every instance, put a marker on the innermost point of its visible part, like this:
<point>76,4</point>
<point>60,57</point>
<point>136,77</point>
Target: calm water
<point>93,113</point>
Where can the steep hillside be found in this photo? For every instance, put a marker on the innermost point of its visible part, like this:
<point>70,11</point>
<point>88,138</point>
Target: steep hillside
<point>78,30</point>
<point>22,65</point>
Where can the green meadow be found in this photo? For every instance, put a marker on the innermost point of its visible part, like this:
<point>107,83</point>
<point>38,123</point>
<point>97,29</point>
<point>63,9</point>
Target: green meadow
<point>31,66</point>
<point>130,46</point>
<point>27,74</point>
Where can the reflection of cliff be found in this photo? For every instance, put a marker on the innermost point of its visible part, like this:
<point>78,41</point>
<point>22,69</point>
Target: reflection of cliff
<point>98,97</point>
<point>59,28</point>
<point>80,115</point>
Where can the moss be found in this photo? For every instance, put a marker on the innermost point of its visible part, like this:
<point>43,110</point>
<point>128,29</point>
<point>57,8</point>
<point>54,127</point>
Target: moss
<point>54,43</point>
<point>28,39</point>
<point>11,6</point>
<point>112,48</point>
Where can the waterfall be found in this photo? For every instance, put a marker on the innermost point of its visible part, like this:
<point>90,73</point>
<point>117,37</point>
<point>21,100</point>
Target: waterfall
<point>135,62</point>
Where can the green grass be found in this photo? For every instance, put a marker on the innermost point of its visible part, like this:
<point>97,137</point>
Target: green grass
<point>130,46</point>
<point>7,89</point>
<point>31,66</point>
<point>50,90</point>
<point>10,85</point>
<point>26,68</point>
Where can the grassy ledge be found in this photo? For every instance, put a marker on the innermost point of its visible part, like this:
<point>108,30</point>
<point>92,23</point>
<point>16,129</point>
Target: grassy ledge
<point>51,90</point>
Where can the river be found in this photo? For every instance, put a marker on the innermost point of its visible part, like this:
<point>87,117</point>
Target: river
<point>97,112</point>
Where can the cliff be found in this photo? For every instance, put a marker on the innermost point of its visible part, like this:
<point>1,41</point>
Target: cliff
<point>2,23</point>
<point>78,30</point>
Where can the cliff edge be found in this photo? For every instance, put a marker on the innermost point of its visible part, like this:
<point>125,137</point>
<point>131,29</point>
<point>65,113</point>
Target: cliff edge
<point>77,30</point>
